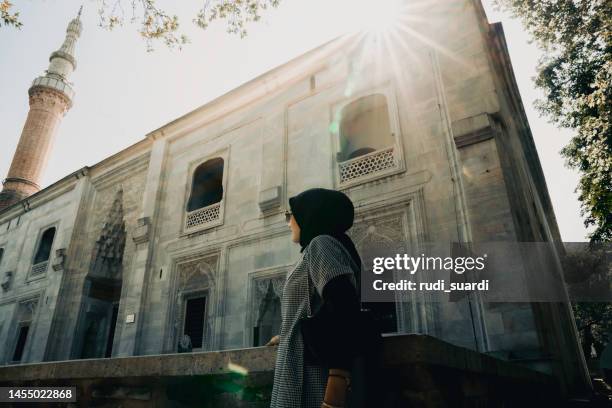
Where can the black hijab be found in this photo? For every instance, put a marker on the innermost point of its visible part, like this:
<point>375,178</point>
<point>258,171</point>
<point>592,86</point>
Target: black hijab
<point>319,211</point>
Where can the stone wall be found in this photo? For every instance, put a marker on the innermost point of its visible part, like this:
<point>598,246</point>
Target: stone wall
<point>123,182</point>
<point>419,371</point>
<point>20,233</point>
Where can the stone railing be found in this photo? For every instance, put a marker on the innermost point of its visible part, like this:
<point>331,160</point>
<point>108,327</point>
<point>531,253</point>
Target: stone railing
<point>366,165</point>
<point>203,217</point>
<point>419,371</point>
<point>39,268</point>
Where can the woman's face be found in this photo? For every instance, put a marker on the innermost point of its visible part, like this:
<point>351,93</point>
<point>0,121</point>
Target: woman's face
<point>295,229</point>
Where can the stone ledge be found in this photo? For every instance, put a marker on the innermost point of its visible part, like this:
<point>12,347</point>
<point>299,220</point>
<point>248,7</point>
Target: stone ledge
<point>400,350</point>
<point>473,130</point>
<point>258,359</point>
<point>418,370</point>
<point>412,349</point>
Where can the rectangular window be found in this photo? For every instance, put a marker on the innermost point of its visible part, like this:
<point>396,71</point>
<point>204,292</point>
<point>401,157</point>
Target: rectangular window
<point>194,320</point>
<point>21,341</point>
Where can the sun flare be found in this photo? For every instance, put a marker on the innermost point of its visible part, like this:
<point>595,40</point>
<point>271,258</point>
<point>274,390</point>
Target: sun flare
<point>376,16</point>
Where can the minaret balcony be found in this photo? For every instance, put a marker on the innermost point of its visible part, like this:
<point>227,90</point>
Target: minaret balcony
<point>54,83</point>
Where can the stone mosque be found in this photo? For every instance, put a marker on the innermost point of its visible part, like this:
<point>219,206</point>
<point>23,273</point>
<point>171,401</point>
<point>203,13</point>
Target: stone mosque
<point>183,233</point>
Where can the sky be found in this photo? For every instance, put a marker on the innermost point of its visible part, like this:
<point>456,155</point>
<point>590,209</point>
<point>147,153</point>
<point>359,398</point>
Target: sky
<point>123,92</point>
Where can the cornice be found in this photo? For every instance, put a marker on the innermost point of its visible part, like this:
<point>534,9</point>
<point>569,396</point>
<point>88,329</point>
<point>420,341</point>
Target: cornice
<point>255,89</point>
<point>121,171</point>
<point>43,196</point>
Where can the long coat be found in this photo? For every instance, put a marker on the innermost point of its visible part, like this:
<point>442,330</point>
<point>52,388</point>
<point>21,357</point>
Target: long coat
<point>297,385</point>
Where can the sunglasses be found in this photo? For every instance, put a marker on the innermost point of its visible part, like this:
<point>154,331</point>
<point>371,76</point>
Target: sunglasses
<point>288,215</point>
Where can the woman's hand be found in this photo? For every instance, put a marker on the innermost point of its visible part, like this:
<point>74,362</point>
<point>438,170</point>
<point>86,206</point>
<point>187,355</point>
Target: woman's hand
<point>273,341</point>
<point>338,383</point>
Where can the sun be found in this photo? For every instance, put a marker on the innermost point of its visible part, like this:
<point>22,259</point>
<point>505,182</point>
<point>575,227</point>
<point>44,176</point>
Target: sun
<point>376,16</point>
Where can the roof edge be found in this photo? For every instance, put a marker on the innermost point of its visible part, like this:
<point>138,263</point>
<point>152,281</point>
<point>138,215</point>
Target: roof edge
<point>257,87</point>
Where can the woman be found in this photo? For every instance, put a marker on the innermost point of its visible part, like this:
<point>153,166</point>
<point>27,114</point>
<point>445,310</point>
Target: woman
<point>304,377</point>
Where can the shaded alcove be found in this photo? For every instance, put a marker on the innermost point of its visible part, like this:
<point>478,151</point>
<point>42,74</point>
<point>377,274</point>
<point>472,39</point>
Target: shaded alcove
<point>207,184</point>
<point>365,127</point>
<point>102,288</point>
<point>269,316</point>
<point>44,246</point>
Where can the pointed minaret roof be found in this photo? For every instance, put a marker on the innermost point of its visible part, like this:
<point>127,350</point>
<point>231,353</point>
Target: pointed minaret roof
<point>73,32</point>
<point>63,62</point>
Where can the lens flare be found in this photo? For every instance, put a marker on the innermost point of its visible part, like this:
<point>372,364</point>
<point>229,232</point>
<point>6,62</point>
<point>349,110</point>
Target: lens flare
<point>238,369</point>
<point>376,16</point>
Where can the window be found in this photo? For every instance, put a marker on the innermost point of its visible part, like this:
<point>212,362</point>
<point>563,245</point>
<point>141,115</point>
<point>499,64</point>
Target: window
<point>207,185</point>
<point>204,206</point>
<point>194,321</point>
<point>1,255</point>
<point>269,320</point>
<point>264,305</point>
<point>368,145</point>
<point>21,341</point>
<point>43,252</point>
<point>26,311</point>
<point>364,127</point>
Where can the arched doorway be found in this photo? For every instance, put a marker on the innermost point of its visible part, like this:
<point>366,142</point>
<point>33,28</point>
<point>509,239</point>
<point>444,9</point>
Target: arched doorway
<point>102,288</point>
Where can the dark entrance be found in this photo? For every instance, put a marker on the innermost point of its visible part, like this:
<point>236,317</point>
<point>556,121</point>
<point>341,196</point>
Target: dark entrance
<point>194,320</point>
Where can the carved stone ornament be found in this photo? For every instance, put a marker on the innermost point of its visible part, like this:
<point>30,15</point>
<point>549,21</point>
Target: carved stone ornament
<point>261,290</point>
<point>141,232</point>
<point>270,199</point>
<point>60,259</point>
<point>107,257</point>
<point>6,281</point>
<point>27,310</point>
<point>199,274</point>
<point>383,229</point>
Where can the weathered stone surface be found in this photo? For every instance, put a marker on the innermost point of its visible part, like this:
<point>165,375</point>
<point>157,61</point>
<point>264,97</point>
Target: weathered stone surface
<point>418,370</point>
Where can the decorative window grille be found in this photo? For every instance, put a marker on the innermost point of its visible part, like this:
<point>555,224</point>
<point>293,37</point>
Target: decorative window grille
<point>368,164</point>
<point>202,217</point>
<point>39,268</point>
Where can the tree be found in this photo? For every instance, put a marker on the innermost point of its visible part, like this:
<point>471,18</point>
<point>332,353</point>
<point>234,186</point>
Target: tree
<point>588,273</point>
<point>576,77</point>
<point>158,24</point>
<point>7,17</point>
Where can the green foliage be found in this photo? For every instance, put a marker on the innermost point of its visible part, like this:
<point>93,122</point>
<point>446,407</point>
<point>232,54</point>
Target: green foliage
<point>576,77</point>
<point>588,273</point>
<point>7,17</point>
<point>594,323</point>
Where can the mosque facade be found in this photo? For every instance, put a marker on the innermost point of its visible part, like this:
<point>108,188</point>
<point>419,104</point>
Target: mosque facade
<point>179,242</point>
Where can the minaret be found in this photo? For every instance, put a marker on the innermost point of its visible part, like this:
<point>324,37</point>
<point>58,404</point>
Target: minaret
<point>50,98</point>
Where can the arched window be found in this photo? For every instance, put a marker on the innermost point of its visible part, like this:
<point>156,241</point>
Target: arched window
<point>44,246</point>
<point>364,127</point>
<point>207,184</point>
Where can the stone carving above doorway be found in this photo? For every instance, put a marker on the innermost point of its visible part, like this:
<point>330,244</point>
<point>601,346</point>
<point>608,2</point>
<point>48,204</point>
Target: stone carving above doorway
<point>107,257</point>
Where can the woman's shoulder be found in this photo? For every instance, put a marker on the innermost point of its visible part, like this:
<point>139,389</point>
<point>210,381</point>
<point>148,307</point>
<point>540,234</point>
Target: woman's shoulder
<point>323,242</point>
<point>328,247</point>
